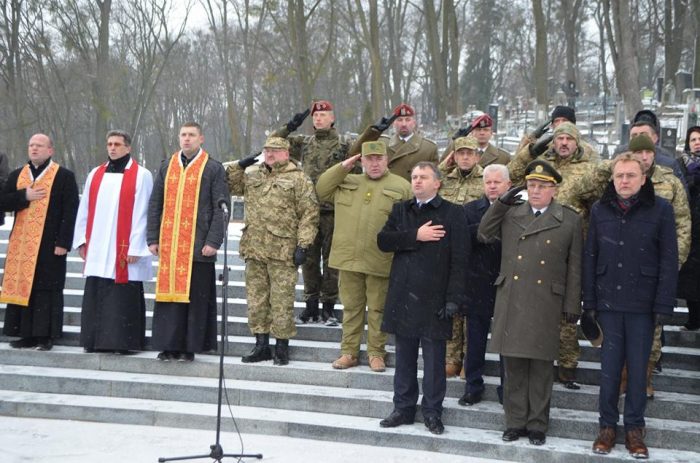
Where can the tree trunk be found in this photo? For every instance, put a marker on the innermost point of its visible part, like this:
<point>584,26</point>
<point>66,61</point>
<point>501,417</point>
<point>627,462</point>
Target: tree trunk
<point>696,57</point>
<point>100,89</point>
<point>674,14</point>
<point>540,61</point>
<point>438,66</point>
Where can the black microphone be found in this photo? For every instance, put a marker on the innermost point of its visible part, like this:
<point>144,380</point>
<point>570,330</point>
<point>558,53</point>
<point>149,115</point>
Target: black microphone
<point>223,206</point>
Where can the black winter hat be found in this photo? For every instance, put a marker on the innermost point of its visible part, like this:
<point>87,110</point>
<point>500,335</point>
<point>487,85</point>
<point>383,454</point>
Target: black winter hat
<point>566,112</point>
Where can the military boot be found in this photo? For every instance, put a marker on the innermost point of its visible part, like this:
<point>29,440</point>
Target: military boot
<point>310,313</point>
<point>282,352</point>
<point>261,351</point>
<point>328,314</point>
<point>567,376</point>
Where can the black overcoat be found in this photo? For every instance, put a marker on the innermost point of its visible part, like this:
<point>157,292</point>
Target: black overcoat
<point>424,275</point>
<point>50,273</point>
<point>483,266</point>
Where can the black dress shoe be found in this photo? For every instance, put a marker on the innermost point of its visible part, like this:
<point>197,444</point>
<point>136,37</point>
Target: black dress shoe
<point>44,344</point>
<point>396,418</point>
<point>469,399</point>
<point>23,343</point>
<point>165,356</point>
<point>571,385</point>
<point>434,424</point>
<point>511,434</point>
<point>536,437</point>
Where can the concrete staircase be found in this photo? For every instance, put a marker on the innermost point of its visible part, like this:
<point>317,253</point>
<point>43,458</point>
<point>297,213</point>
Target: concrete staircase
<point>311,400</point>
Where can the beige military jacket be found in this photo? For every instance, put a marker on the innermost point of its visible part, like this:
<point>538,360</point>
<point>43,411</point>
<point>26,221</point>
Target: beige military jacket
<point>281,210</point>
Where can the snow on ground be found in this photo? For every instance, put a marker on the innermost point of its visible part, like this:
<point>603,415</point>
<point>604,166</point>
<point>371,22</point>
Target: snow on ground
<point>28,440</point>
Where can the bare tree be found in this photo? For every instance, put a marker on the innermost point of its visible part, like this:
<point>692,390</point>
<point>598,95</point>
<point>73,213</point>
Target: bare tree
<point>674,20</point>
<point>541,67</point>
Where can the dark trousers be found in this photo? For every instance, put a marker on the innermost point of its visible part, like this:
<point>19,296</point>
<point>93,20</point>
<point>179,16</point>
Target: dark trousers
<point>320,281</point>
<point>627,338</point>
<point>527,392</point>
<point>406,376</point>
<point>474,361</point>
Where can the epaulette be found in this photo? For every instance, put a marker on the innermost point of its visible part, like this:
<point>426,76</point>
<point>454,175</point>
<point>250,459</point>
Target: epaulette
<point>571,208</point>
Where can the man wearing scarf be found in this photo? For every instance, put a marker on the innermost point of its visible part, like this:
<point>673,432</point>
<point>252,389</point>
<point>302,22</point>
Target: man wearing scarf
<point>44,199</point>
<point>110,236</point>
<point>630,270</point>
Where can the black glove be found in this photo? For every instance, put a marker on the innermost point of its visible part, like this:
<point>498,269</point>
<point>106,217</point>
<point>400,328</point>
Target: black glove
<point>662,318</point>
<point>590,315</point>
<point>540,146</point>
<point>512,197</point>
<point>589,326</point>
<point>249,161</point>
<point>539,131</point>
<point>297,120</point>
<point>448,311</point>
<point>462,132</point>
<point>299,256</point>
<point>384,123</point>
<point>570,317</point>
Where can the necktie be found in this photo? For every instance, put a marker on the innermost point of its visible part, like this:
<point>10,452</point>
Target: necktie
<point>538,213</point>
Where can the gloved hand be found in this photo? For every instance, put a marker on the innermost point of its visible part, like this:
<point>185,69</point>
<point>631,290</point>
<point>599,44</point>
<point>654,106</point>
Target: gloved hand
<point>662,318</point>
<point>384,123</point>
<point>540,146</point>
<point>448,311</point>
<point>249,161</point>
<point>299,256</point>
<point>570,317</point>
<point>512,197</point>
<point>297,120</point>
<point>540,130</point>
<point>590,315</point>
<point>462,132</point>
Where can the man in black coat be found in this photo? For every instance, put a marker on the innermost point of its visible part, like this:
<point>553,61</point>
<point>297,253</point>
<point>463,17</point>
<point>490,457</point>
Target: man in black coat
<point>480,293</point>
<point>44,198</point>
<point>429,239</point>
<point>630,271</point>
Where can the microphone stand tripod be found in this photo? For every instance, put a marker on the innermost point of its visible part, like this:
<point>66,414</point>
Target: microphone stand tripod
<point>217,452</point>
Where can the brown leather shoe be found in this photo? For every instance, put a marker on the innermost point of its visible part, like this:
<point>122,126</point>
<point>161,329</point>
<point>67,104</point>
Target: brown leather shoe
<point>452,370</point>
<point>377,364</point>
<point>345,361</point>
<point>634,441</point>
<point>605,441</point>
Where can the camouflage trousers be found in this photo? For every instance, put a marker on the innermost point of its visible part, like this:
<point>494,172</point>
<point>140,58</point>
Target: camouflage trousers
<point>360,292</point>
<point>270,290</point>
<point>320,281</point>
<point>655,354</point>
<point>457,346</point>
<point>569,350</point>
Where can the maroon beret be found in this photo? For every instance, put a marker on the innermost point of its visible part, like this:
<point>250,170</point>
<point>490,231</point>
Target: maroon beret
<point>321,105</point>
<point>404,109</point>
<point>482,121</point>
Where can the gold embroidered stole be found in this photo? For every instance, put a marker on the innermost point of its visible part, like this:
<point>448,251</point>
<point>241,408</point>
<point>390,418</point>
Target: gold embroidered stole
<point>23,250</point>
<point>177,228</point>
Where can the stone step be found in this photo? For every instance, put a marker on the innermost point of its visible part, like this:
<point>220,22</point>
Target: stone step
<point>321,426</point>
<point>180,402</point>
<point>305,376</point>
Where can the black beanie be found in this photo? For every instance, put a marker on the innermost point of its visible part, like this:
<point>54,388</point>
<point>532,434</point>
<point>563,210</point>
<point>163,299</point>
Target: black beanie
<point>566,112</point>
<point>646,115</point>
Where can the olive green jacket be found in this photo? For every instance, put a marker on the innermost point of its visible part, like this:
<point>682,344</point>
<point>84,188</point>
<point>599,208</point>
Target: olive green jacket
<point>362,206</point>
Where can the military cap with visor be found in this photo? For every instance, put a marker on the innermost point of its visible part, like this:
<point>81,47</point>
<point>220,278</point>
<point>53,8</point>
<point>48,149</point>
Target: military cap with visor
<point>543,171</point>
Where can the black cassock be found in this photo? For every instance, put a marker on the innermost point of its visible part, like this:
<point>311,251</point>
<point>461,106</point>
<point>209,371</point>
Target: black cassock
<point>44,315</point>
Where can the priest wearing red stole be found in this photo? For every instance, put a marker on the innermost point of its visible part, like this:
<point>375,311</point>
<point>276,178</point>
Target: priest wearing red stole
<point>44,199</point>
<point>185,231</point>
<point>110,235</point>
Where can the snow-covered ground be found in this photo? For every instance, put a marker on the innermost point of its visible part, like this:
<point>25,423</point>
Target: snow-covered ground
<point>26,440</point>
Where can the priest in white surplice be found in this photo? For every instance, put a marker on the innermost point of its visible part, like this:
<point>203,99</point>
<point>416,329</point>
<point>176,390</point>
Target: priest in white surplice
<point>110,235</point>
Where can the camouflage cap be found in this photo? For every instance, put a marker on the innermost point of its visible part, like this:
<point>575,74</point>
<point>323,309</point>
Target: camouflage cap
<point>469,143</point>
<point>641,142</point>
<point>569,129</point>
<point>373,147</point>
<point>276,143</point>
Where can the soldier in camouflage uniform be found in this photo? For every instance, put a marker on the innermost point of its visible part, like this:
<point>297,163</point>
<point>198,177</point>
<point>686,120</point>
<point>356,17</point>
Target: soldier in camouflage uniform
<point>281,224</point>
<point>569,159</point>
<point>317,153</point>
<point>481,129</point>
<point>463,181</point>
<point>362,205</point>
<point>667,186</point>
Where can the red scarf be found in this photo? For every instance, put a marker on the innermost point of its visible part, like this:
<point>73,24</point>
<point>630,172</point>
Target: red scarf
<point>127,196</point>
